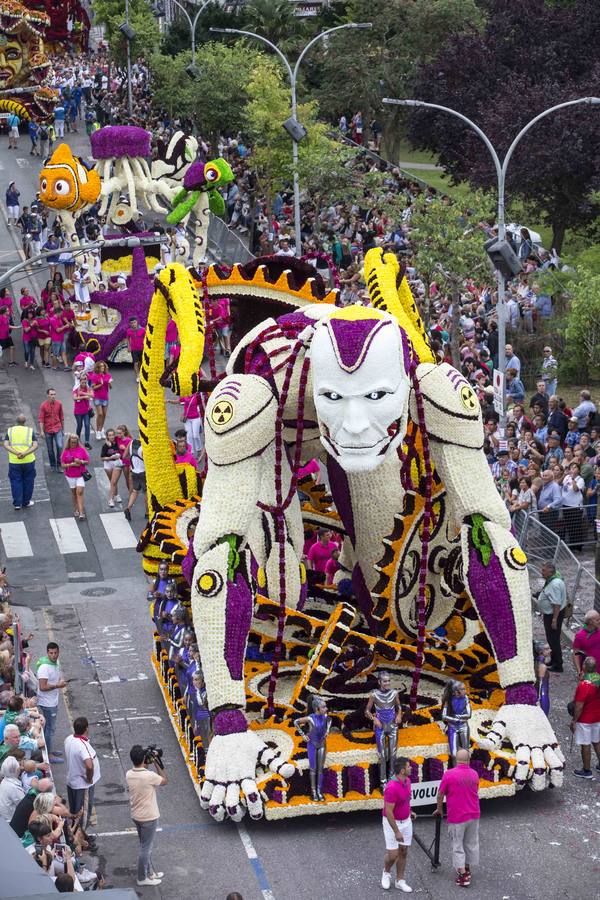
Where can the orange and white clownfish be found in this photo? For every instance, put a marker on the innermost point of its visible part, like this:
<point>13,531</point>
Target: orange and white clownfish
<point>67,183</point>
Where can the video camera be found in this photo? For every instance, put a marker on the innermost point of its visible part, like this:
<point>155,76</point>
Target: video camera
<point>154,754</point>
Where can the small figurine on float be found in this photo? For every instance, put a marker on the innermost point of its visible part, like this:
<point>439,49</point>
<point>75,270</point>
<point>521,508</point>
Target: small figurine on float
<point>456,712</point>
<point>316,741</point>
<point>541,661</point>
<point>385,711</point>
<point>200,712</point>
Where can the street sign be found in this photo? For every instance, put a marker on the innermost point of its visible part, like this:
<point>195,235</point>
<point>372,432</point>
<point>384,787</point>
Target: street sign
<point>499,391</point>
<point>424,793</point>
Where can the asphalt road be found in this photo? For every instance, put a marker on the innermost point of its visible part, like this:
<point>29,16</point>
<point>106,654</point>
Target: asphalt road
<point>86,590</point>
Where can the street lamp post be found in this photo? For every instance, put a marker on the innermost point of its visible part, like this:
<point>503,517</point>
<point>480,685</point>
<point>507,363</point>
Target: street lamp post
<point>129,94</point>
<point>192,23</point>
<point>501,168</point>
<point>293,76</point>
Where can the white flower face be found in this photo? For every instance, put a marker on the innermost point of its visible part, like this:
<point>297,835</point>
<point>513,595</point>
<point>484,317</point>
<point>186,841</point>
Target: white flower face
<point>362,414</point>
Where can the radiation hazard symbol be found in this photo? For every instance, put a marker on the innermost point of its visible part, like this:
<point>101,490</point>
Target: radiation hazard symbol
<point>468,398</point>
<point>222,412</point>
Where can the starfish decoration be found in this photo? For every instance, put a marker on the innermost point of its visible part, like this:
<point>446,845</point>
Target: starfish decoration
<point>134,301</point>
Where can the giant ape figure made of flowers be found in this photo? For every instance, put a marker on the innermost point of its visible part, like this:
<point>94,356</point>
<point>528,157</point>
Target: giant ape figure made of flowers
<point>427,547</point>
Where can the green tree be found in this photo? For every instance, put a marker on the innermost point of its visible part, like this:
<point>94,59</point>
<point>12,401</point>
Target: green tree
<point>360,67</point>
<point>177,36</point>
<point>275,20</point>
<point>216,101</point>
<point>323,165</point>
<point>111,14</point>
<point>448,249</point>
<point>583,323</point>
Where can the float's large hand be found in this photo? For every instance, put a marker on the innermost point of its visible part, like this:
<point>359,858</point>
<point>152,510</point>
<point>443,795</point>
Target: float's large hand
<point>536,748</point>
<point>230,771</point>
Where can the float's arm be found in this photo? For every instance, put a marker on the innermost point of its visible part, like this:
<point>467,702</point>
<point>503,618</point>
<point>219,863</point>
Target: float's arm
<point>494,565</point>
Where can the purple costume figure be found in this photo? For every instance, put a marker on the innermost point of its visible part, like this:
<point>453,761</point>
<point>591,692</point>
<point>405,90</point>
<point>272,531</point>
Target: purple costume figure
<point>541,660</point>
<point>456,712</point>
<point>163,609</point>
<point>199,709</point>
<point>316,741</point>
<point>159,584</point>
<point>384,710</point>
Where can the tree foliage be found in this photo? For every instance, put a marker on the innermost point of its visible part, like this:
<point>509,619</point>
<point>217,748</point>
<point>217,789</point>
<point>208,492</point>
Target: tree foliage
<point>216,101</point>
<point>501,79</point>
<point>583,323</point>
<point>111,14</point>
<point>177,37</point>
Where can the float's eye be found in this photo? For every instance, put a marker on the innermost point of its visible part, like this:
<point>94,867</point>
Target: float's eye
<point>211,173</point>
<point>331,395</point>
<point>376,395</point>
<point>43,185</point>
<point>62,187</point>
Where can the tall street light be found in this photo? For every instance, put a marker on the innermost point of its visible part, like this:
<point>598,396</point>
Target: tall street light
<point>191,70</point>
<point>292,125</point>
<point>501,168</point>
<point>129,34</point>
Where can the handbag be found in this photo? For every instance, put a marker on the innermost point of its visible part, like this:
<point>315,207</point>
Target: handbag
<point>87,475</point>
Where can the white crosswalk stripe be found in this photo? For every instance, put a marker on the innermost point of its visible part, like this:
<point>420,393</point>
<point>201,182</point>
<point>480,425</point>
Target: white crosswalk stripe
<point>118,530</point>
<point>68,536</point>
<point>22,163</point>
<point>15,540</point>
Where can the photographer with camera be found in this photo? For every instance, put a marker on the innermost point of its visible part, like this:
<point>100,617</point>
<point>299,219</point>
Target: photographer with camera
<point>142,784</point>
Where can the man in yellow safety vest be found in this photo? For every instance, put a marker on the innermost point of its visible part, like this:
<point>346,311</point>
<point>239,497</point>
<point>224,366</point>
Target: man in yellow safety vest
<point>21,443</point>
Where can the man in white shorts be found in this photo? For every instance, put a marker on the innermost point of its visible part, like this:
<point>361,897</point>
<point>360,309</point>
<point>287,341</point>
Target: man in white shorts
<point>397,825</point>
<point>586,717</point>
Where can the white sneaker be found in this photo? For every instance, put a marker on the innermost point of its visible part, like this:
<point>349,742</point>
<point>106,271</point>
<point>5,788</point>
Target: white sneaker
<point>103,433</point>
<point>403,886</point>
<point>148,881</point>
<point>157,875</point>
<point>85,875</point>
<point>111,504</point>
<point>386,880</point>
<point>118,499</point>
<point>98,435</point>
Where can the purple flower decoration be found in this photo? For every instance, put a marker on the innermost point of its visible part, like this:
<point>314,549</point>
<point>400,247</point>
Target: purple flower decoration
<point>120,140</point>
<point>134,301</point>
<point>194,177</point>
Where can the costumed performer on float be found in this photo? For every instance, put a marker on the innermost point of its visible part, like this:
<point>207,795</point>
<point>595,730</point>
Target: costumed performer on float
<point>316,741</point>
<point>456,712</point>
<point>384,710</point>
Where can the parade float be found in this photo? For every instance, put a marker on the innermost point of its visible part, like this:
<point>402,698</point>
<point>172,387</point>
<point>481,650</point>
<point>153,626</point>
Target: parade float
<point>122,183</point>
<point>432,597</point>
<point>23,63</point>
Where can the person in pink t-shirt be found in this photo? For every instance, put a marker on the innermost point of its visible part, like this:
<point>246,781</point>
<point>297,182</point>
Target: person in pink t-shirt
<point>183,451</point>
<point>135,343</point>
<point>331,566</point>
<point>587,640</point>
<point>172,345</point>
<point>26,300</point>
<point>460,787</point>
<point>321,551</point>
<point>6,341</point>
<point>29,337</point>
<point>397,825</point>
<point>74,459</point>
<point>82,407</point>
<point>101,382</point>
<point>191,418</point>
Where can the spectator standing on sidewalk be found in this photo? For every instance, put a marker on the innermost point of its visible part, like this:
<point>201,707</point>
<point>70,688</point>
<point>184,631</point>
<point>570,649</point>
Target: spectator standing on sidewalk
<point>551,602</point>
<point>20,443</point>
<point>51,419</point>
<point>460,787</point>
<point>50,684</point>
<point>142,784</point>
<point>587,640</point>
<point>12,203</point>
<point>397,825</point>
<point>585,723</point>
<point>13,122</point>
<point>83,769</point>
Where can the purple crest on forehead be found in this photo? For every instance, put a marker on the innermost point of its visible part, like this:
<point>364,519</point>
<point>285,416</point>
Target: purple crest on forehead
<point>351,339</point>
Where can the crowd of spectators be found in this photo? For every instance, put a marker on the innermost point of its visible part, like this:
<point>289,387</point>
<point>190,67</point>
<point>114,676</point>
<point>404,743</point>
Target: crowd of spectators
<point>52,829</point>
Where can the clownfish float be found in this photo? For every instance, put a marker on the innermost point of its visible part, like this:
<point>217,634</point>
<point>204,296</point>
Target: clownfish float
<point>67,182</point>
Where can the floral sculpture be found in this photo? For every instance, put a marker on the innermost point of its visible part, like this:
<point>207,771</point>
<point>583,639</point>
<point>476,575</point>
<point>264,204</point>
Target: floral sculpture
<point>427,546</point>
<point>23,62</point>
<point>69,186</point>
<point>200,196</point>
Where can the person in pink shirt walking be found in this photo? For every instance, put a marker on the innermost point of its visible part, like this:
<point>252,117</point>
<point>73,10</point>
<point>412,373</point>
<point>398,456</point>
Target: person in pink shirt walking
<point>397,825</point>
<point>74,460</point>
<point>101,382</point>
<point>460,787</point>
<point>135,343</point>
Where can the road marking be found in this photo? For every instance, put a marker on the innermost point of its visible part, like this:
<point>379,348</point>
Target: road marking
<point>261,877</point>
<point>15,539</point>
<point>182,826</point>
<point>118,530</point>
<point>102,482</point>
<point>22,163</point>
<point>1,166</point>
<point>67,536</point>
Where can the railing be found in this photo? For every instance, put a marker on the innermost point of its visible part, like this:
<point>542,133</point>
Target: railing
<point>224,245</point>
<point>543,544</point>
